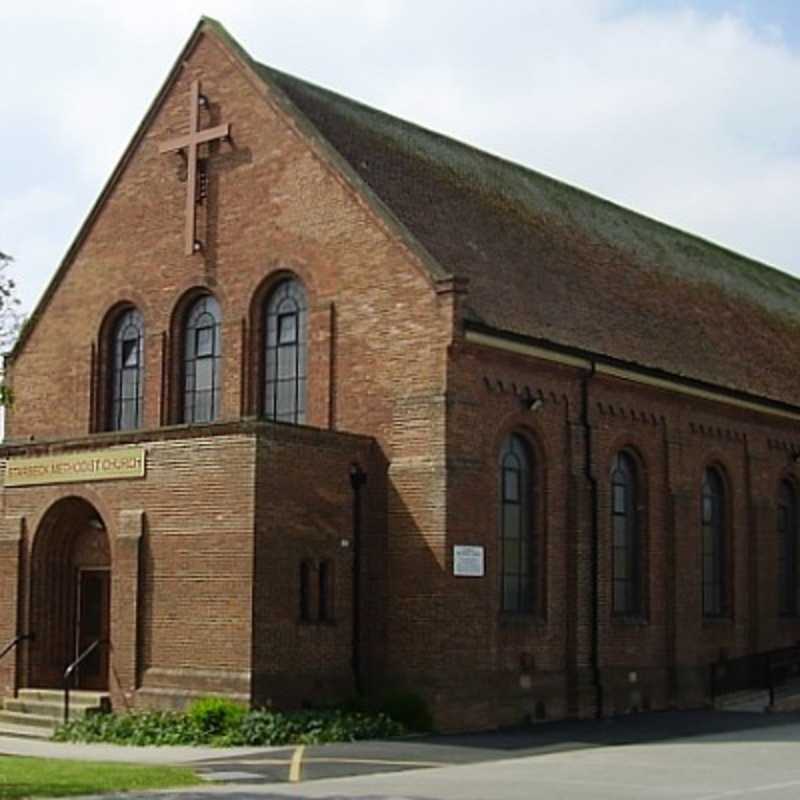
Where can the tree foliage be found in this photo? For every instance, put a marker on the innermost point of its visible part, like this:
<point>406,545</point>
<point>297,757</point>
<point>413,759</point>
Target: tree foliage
<point>10,315</point>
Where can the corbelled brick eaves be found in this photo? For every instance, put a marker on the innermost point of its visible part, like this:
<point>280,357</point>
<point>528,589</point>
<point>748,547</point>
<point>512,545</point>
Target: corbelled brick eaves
<point>541,258</point>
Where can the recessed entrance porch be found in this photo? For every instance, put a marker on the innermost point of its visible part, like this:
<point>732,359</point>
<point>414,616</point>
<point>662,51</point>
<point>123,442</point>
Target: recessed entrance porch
<point>70,574</point>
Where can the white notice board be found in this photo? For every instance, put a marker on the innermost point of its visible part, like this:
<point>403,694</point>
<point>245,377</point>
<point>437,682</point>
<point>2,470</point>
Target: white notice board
<point>468,561</point>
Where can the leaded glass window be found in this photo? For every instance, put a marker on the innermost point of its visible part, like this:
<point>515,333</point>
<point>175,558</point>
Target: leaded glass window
<point>714,544</point>
<point>516,533</point>
<point>626,537</point>
<point>202,361</point>
<point>285,353</point>
<point>787,549</point>
<point>127,371</point>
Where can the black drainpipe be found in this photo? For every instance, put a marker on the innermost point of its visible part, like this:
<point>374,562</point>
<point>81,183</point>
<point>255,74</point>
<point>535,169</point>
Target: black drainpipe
<point>357,480</point>
<point>595,577</point>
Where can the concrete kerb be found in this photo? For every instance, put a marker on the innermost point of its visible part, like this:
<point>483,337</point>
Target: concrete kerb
<point>11,746</point>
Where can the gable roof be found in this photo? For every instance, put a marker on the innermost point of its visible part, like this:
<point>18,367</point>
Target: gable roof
<point>552,262</point>
<point>543,259</point>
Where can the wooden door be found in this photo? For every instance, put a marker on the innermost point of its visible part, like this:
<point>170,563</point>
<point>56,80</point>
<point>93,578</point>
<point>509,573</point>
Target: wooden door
<point>92,624</point>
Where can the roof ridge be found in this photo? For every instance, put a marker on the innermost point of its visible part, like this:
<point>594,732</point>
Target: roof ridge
<point>753,265</point>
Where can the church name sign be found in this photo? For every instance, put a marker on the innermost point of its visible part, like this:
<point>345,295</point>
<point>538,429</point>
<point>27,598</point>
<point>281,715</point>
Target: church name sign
<point>99,465</point>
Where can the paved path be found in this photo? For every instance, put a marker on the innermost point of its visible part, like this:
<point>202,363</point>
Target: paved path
<point>673,755</point>
<point>109,752</point>
<point>434,752</point>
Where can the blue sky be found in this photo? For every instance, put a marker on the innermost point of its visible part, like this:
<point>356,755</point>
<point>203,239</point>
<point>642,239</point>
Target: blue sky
<point>686,111</point>
<point>782,15</point>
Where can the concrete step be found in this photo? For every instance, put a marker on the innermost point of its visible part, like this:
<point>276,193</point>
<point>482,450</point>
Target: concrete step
<point>787,697</point>
<point>788,689</point>
<point>24,731</point>
<point>28,720</point>
<point>748,700</point>
<point>46,708</point>
<point>76,696</point>
<point>36,713</point>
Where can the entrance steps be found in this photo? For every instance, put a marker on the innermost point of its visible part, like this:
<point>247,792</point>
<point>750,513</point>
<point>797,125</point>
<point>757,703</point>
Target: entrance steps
<point>746,700</point>
<point>787,698</point>
<point>36,713</point>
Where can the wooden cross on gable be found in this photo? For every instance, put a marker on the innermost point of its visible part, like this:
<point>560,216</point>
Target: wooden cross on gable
<point>190,143</point>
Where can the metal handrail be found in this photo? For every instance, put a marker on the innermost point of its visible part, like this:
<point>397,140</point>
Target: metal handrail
<point>766,670</point>
<point>15,641</point>
<point>22,637</point>
<point>70,671</point>
<point>782,665</point>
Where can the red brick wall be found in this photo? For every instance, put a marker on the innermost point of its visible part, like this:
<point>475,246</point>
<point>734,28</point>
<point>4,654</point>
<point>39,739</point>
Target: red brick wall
<point>204,591</point>
<point>12,561</point>
<point>304,512</point>
<point>185,577</point>
<point>546,657</point>
<point>377,334</point>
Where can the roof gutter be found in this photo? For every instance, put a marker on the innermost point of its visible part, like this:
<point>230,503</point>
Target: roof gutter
<point>480,334</point>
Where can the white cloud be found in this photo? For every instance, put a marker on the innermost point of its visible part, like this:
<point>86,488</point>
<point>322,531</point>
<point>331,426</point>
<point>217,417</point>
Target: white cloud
<point>686,115</point>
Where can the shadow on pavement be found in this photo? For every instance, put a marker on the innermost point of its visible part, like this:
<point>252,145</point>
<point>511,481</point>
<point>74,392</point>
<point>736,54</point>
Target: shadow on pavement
<point>642,728</point>
<point>373,757</point>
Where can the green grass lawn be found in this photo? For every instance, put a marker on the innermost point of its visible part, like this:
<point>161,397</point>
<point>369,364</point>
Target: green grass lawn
<point>44,777</point>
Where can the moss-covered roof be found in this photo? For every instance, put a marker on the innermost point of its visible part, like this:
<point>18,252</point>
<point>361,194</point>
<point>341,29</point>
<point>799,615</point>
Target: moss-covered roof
<point>550,261</point>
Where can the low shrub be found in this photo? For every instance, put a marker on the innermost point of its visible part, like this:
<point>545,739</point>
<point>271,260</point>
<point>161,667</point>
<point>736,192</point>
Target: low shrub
<point>227,724</point>
<point>407,708</point>
<point>215,716</point>
<point>151,727</point>
<point>311,727</point>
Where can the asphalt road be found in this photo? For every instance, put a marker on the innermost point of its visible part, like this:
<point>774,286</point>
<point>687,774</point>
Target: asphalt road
<point>674,755</point>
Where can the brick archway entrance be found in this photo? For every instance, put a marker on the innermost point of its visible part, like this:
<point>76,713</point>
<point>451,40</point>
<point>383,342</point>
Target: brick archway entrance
<point>70,594</point>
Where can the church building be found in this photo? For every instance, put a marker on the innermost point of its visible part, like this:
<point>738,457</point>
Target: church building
<point>320,401</point>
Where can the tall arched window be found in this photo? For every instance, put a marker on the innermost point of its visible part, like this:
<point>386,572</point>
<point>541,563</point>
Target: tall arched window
<point>715,602</point>
<point>516,528</point>
<point>127,350</point>
<point>626,533</point>
<point>285,353</point>
<point>787,549</point>
<point>202,361</point>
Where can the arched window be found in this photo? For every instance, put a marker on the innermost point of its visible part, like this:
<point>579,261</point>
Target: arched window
<point>201,366</point>
<point>285,353</point>
<point>626,533</point>
<point>787,549</point>
<point>714,545</point>
<point>127,350</point>
<point>516,529</point>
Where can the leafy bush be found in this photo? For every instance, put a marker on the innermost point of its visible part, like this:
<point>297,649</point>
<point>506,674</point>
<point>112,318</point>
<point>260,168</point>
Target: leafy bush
<point>152,727</point>
<point>311,727</point>
<point>225,724</point>
<point>214,716</point>
<point>407,708</point>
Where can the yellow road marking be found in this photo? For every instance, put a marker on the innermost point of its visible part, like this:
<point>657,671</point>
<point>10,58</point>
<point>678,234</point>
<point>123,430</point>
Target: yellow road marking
<point>297,764</point>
